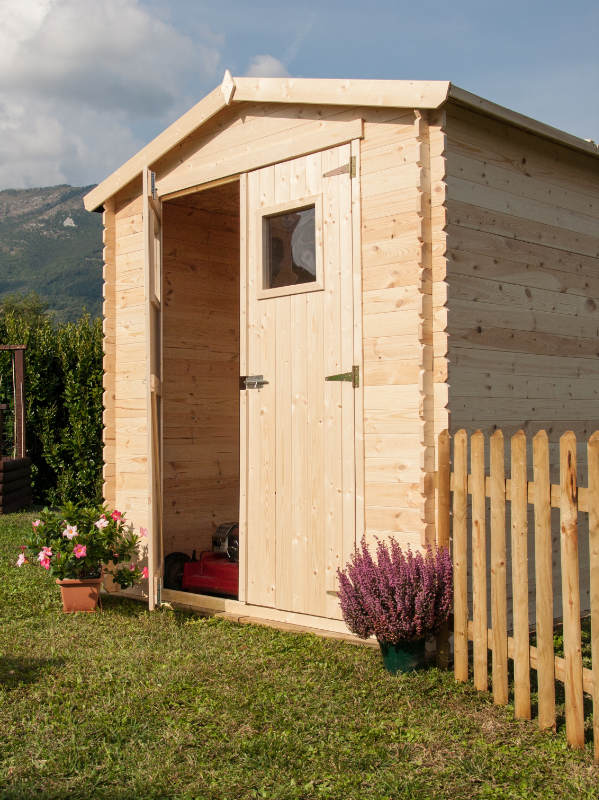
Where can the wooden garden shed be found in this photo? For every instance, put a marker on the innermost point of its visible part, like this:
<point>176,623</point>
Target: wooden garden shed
<point>433,253</point>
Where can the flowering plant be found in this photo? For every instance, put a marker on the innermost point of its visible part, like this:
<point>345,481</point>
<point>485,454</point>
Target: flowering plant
<point>76,542</point>
<point>400,597</point>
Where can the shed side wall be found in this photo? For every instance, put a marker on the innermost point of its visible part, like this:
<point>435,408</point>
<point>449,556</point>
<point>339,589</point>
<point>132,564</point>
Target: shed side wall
<point>523,296</point>
<point>523,227</point>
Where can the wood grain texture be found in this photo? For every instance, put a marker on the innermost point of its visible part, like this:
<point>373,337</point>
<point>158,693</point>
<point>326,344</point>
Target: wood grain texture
<point>571,591</point>
<point>460,555</point>
<point>392,282</point>
<point>519,526</point>
<point>479,561</point>
<point>544,582</point>
<point>498,570</point>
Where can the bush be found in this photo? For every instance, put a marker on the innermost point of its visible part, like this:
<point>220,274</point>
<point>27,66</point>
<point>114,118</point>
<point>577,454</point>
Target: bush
<point>400,597</point>
<point>63,400</point>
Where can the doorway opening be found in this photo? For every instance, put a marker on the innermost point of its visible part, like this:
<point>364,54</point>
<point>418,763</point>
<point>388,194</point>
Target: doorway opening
<point>200,391</point>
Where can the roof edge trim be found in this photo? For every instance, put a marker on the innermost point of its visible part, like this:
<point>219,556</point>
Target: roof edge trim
<point>487,107</point>
<point>319,91</point>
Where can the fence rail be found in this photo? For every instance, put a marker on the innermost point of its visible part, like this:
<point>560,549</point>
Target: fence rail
<point>455,484</point>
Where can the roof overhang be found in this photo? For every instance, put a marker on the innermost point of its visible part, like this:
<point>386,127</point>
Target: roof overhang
<point>426,95</point>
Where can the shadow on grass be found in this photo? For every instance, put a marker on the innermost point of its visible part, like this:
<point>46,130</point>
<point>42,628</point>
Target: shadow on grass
<point>15,672</point>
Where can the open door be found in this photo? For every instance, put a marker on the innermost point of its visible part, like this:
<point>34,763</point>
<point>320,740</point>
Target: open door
<point>152,220</point>
<point>301,382</point>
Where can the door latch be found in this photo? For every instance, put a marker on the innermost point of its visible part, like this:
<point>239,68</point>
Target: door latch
<point>352,377</point>
<point>252,382</point>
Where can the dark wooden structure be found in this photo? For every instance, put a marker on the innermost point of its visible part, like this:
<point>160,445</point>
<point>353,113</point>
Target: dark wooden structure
<point>15,471</point>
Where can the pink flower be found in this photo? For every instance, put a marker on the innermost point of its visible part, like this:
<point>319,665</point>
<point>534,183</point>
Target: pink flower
<point>80,551</point>
<point>143,532</point>
<point>45,563</point>
<point>36,523</point>
<point>44,555</point>
<point>21,560</point>
<point>116,515</point>
<point>145,573</point>
<point>132,567</point>
<point>101,523</point>
<point>70,532</point>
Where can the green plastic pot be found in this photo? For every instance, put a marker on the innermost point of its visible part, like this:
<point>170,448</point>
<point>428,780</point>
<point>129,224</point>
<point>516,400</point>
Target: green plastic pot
<point>403,657</point>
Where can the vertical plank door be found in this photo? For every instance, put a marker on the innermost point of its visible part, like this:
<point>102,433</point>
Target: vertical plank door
<point>300,426</point>
<point>152,225</point>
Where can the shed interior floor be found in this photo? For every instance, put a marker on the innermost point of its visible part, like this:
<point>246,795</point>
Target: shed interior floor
<point>200,398</point>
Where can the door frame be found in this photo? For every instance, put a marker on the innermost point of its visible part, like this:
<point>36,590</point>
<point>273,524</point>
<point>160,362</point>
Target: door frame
<point>247,219</point>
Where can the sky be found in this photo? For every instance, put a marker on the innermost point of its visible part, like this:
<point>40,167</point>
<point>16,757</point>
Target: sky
<point>84,84</point>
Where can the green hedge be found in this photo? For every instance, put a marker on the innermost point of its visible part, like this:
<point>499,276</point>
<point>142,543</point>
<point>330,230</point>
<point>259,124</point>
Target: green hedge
<point>63,391</point>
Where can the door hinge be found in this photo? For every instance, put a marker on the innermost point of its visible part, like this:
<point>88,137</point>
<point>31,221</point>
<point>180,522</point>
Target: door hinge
<point>352,377</point>
<point>252,381</point>
<point>342,170</point>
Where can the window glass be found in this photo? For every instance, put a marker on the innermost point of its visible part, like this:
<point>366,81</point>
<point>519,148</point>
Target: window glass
<point>290,248</point>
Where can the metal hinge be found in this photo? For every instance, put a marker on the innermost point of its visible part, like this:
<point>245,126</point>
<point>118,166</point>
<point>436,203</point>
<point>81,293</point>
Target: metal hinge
<point>349,167</point>
<point>252,382</point>
<point>352,377</point>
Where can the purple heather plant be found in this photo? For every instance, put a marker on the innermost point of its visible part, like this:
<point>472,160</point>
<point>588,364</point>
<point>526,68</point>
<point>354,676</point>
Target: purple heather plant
<point>400,597</point>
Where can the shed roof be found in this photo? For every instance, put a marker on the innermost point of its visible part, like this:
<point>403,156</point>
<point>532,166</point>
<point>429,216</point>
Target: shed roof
<point>381,93</point>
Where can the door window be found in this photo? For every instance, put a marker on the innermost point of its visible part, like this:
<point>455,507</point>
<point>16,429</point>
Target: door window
<point>291,245</point>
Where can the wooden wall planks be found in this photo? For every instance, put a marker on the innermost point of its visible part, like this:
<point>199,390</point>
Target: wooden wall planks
<point>523,297</point>
<point>396,275</point>
<point>125,437</point>
<point>200,366</point>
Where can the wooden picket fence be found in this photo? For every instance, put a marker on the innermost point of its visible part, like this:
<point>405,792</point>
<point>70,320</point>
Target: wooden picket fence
<point>455,484</point>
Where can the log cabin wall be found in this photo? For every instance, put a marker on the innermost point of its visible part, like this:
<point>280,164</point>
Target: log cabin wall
<point>396,264</point>
<point>125,396</point>
<point>200,366</point>
<point>523,290</point>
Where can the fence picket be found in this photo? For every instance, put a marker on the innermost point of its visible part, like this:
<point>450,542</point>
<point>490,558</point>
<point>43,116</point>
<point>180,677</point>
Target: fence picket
<point>571,591</point>
<point>479,562</point>
<point>519,527</point>
<point>460,555</point>
<point>544,582</point>
<point>498,571</point>
<point>593,461</point>
<point>443,529</point>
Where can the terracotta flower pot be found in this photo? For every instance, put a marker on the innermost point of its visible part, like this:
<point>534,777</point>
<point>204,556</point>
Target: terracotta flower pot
<point>79,594</point>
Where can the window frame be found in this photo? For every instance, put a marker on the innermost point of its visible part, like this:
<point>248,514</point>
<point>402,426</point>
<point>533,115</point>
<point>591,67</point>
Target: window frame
<point>299,204</point>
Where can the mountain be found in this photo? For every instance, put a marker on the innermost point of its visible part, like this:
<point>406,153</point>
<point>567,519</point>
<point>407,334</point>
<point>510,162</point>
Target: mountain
<point>50,245</point>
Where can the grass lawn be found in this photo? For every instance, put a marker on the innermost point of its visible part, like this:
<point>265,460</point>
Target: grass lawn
<point>131,704</point>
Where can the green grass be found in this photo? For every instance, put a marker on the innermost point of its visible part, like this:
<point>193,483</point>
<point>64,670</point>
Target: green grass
<point>131,704</point>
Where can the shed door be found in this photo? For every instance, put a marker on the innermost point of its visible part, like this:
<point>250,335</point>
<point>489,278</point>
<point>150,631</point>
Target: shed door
<point>300,432</point>
<point>152,221</point>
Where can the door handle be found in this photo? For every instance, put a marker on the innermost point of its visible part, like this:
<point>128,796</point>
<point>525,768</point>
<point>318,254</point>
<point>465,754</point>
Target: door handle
<point>252,382</point>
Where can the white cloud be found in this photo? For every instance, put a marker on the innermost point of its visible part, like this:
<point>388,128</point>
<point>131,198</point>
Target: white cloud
<point>265,66</point>
<point>76,78</point>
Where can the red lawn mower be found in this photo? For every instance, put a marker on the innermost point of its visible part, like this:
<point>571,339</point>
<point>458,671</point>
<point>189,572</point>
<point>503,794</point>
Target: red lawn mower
<point>216,572</point>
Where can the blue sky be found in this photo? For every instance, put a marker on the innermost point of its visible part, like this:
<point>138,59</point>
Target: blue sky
<point>85,83</point>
